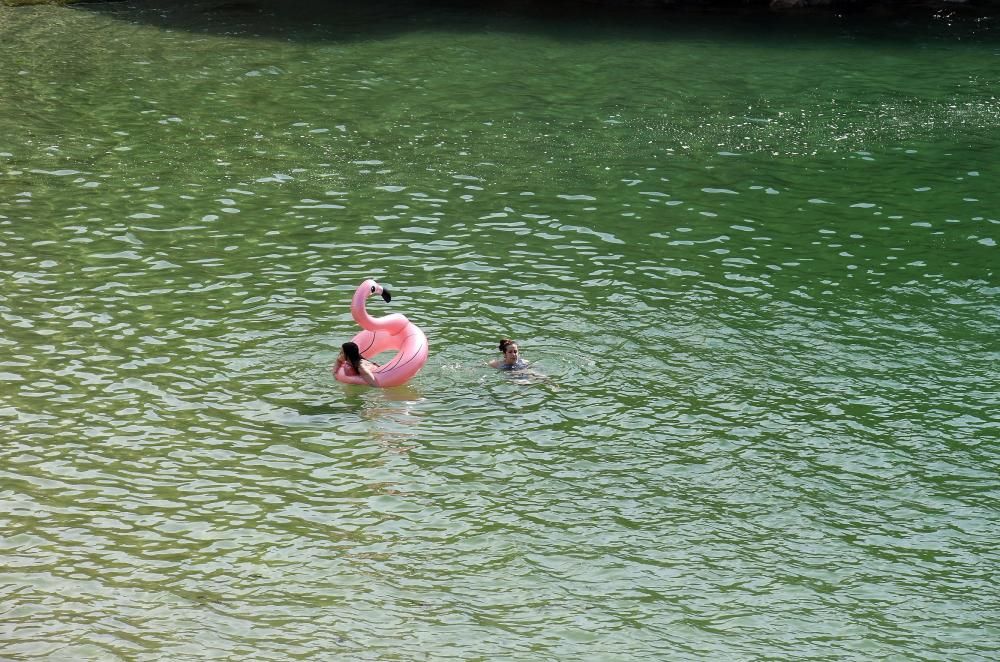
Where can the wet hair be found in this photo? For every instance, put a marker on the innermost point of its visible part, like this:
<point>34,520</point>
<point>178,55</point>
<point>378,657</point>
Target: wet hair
<point>353,355</point>
<point>504,343</point>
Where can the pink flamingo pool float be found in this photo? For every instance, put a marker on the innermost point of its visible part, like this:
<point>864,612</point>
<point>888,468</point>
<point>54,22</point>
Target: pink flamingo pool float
<point>381,334</point>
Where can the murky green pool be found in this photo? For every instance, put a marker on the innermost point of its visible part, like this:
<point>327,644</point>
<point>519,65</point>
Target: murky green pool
<point>757,264</point>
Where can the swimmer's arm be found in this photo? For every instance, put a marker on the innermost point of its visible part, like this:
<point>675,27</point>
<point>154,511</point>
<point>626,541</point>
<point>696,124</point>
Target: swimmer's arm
<point>495,363</point>
<point>367,375</point>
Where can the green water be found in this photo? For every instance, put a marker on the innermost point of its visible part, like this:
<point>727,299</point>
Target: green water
<point>757,264</point>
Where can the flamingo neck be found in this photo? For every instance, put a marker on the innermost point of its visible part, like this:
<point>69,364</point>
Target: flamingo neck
<point>360,313</point>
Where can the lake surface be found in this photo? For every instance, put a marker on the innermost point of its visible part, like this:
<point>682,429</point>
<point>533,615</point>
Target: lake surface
<point>756,264</point>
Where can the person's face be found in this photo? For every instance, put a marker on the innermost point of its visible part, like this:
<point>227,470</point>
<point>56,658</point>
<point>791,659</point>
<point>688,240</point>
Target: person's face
<point>511,353</point>
<point>341,357</point>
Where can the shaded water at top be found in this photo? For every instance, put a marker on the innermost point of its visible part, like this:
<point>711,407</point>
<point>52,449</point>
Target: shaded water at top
<point>758,272</point>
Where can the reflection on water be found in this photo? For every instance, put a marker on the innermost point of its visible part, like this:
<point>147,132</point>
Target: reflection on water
<point>765,315</point>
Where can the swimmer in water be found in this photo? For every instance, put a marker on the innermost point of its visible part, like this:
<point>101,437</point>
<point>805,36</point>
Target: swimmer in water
<point>350,354</point>
<point>511,357</point>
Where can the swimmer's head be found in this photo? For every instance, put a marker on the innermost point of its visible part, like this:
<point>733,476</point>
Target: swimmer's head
<point>509,349</point>
<point>352,354</point>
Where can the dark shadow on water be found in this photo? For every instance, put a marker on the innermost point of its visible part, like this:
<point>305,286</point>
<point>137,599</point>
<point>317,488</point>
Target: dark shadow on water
<point>359,20</point>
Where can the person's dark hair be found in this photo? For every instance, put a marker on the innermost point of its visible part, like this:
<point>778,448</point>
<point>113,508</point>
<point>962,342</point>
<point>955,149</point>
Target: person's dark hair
<point>504,342</point>
<point>353,355</point>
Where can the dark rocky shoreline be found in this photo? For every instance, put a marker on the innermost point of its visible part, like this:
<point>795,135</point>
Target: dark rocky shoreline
<point>870,7</point>
<point>982,15</point>
<point>853,6</point>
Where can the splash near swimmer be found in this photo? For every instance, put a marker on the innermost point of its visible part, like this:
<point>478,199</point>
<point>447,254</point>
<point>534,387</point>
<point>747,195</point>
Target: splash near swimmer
<point>382,334</point>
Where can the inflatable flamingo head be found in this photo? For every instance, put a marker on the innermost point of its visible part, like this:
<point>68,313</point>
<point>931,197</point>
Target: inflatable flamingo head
<point>370,287</point>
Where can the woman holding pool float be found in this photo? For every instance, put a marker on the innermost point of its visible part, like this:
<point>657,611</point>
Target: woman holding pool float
<point>353,364</point>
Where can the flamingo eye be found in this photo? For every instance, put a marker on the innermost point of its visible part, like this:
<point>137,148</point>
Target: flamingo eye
<point>373,289</point>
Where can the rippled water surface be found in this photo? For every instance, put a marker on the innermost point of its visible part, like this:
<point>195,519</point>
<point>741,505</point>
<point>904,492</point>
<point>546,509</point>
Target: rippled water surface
<point>755,267</point>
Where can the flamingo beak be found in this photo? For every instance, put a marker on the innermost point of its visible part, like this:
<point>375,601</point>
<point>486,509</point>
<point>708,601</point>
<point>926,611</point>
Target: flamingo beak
<point>386,295</point>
